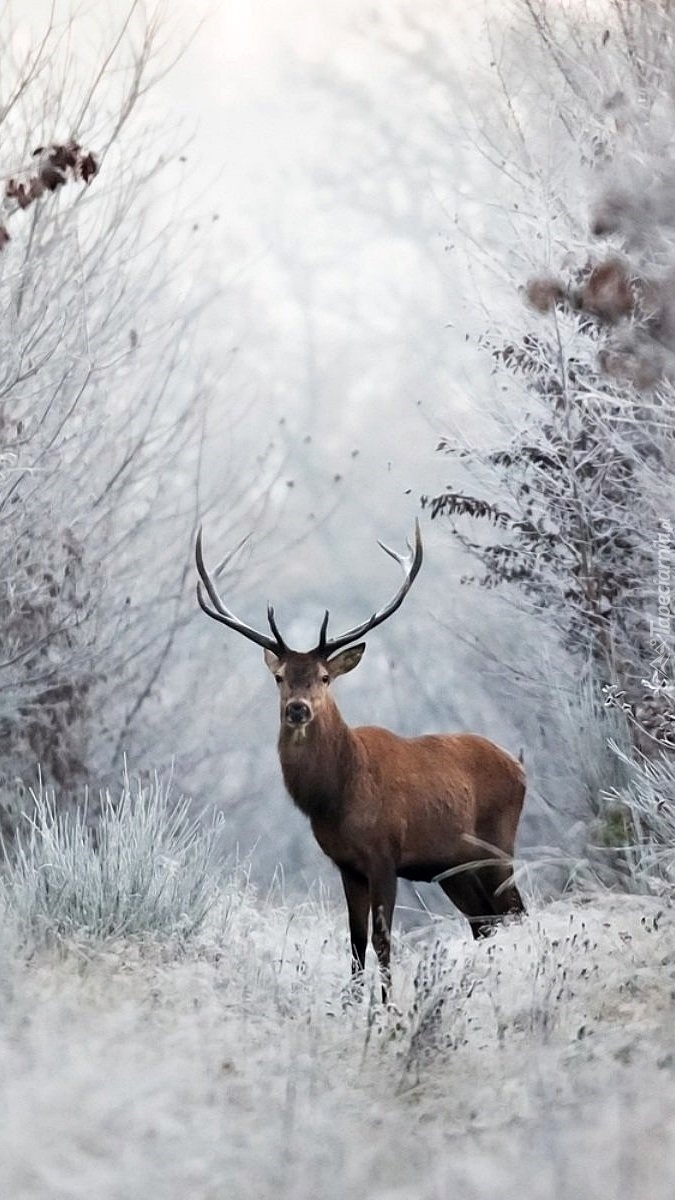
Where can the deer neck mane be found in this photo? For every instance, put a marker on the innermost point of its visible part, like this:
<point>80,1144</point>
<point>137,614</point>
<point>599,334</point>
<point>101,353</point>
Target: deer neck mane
<point>317,762</point>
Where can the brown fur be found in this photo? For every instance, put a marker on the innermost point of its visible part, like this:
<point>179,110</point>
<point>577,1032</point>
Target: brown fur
<point>383,806</point>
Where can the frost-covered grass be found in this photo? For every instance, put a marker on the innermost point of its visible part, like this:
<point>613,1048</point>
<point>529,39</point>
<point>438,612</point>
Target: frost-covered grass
<point>540,1063</point>
<point>146,867</point>
<point>166,1032</point>
<point>644,812</point>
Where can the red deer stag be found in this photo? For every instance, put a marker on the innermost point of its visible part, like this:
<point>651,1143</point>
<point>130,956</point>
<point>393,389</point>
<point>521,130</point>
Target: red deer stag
<point>383,806</point>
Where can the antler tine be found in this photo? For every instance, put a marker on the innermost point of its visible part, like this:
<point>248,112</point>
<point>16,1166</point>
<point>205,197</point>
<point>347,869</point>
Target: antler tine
<point>225,562</point>
<point>274,627</point>
<point>411,564</point>
<point>221,613</point>
<point>404,559</point>
<point>209,611</point>
<point>322,632</point>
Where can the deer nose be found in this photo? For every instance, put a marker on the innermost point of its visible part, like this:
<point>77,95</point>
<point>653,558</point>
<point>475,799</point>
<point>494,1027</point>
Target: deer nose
<point>297,712</point>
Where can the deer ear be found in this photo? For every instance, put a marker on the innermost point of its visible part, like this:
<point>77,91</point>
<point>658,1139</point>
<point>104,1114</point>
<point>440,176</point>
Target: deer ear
<point>346,660</point>
<point>272,660</point>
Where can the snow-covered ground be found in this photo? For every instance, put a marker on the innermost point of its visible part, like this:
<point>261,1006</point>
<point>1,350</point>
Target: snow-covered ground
<point>538,1064</point>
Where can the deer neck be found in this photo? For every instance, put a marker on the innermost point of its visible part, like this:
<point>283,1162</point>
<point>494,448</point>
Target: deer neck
<point>317,763</point>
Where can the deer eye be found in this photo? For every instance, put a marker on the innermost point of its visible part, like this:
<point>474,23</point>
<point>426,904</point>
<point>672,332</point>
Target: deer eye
<point>279,678</point>
<point>325,678</point>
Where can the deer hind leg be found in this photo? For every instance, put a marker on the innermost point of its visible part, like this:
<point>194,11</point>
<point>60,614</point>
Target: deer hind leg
<point>358,908</point>
<point>485,895</point>
<point>382,901</point>
<point>468,893</point>
<point>503,891</point>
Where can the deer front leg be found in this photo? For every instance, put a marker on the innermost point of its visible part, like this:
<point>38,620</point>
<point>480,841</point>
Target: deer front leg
<point>358,905</point>
<point>382,900</point>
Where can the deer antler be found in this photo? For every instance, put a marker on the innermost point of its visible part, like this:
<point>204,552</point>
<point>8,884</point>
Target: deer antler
<point>411,564</point>
<point>220,613</point>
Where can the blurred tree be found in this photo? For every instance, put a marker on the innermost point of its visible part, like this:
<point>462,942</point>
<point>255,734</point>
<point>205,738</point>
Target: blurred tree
<point>102,403</point>
<point>577,484</point>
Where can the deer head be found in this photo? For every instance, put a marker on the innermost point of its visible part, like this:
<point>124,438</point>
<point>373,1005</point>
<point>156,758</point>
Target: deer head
<point>304,677</point>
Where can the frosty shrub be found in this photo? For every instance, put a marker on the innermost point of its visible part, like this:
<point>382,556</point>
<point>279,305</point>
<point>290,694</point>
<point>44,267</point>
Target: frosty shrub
<point>642,815</point>
<point>570,505</point>
<point>99,430</point>
<point>148,868</point>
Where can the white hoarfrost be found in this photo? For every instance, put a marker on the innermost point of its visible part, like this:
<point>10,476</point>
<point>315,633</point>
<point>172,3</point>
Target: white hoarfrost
<point>539,1063</point>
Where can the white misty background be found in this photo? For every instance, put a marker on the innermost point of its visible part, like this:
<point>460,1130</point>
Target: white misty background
<point>321,243</point>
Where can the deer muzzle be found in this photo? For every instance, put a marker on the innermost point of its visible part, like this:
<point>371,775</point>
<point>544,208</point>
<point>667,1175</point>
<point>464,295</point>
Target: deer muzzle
<point>298,712</point>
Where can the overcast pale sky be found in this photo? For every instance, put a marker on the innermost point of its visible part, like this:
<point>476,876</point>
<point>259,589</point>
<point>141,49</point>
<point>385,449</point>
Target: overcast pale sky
<point>328,171</point>
<point>337,170</point>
